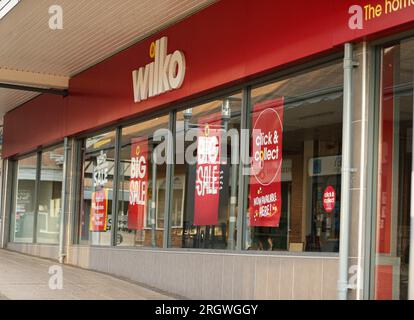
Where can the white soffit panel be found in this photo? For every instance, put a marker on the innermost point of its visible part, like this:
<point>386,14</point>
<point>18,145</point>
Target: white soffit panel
<point>92,31</point>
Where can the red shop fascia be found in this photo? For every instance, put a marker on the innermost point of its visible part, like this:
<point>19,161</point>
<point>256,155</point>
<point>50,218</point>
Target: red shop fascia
<point>229,42</point>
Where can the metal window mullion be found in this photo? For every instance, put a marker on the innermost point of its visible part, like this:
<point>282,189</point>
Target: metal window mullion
<point>115,187</point>
<point>77,157</point>
<point>9,199</point>
<point>63,202</point>
<point>2,198</point>
<point>8,196</point>
<point>375,112</point>
<point>3,219</point>
<point>169,179</point>
<point>411,239</point>
<point>372,162</point>
<point>36,195</point>
<point>244,165</point>
<point>13,199</point>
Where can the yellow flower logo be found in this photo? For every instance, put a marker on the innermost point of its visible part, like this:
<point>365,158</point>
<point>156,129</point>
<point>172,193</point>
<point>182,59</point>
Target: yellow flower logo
<point>152,50</point>
<point>207,130</point>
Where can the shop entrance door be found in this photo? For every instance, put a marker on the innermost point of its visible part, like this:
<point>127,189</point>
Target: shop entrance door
<point>391,241</point>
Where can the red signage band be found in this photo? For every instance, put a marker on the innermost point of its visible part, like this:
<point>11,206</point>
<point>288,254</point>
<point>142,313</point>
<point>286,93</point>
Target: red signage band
<point>138,184</point>
<point>265,197</point>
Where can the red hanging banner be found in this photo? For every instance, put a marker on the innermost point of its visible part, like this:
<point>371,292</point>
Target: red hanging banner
<point>265,177</point>
<point>138,184</point>
<point>99,211</point>
<point>207,186</point>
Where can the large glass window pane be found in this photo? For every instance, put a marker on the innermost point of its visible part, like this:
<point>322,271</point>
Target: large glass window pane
<point>391,251</point>
<point>50,194</point>
<point>142,182</point>
<point>24,207</point>
<point>97,189</point>
<point>295,174</point>
<point>204,208</point>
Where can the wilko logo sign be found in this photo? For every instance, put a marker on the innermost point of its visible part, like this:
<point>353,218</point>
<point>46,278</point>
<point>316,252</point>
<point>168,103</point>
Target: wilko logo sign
<point>138,185</point>
<point>165,73</point>
<point>207,187</point>
<point>329,199</point>
<point>265,181</point>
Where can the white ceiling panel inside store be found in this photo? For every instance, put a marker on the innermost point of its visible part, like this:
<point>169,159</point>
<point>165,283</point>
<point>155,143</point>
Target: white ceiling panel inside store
<point>92,31</point>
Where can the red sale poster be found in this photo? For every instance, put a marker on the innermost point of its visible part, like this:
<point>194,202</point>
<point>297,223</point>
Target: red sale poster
<point>207,186</point>
<point>265,177</point>
<point>329,199</point>
<point>138,184</point>
<point>99,211</point>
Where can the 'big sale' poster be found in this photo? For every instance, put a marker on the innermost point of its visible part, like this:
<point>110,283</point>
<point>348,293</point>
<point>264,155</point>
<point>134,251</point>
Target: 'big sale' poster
<point>265,177</point>
<point>138,184</point>
<point>207,186</point>
<point>99,211</point>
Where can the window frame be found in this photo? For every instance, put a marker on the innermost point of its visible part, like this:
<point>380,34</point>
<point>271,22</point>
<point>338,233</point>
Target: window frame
<point>245,88</point>
<point>79,185</point>
<point>14,185</point>
<point>375,49</point>
<point>40,155</point>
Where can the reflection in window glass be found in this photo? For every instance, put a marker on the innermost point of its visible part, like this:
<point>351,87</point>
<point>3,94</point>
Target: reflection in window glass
<point>50,194</point>
<point>204,208</point>
<point>142,181</point>
<point>296,146</point>
<point>24,212</point>
<point>97,189</point>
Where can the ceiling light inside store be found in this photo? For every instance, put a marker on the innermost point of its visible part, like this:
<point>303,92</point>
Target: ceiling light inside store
<point>6,6</point>
<point>101,143</point>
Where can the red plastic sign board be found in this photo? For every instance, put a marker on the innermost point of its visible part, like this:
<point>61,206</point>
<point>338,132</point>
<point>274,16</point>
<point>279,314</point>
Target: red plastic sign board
<point>265,180</point>
<point>207,187</point>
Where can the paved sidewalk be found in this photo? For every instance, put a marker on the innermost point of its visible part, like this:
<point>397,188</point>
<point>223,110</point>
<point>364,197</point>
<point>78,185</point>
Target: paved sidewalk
<point>25,277</point>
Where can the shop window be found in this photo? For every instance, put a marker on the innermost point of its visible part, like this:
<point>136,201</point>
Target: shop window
<point>23,215</point>
<point>178,202</point>
<point>205,185</point>
<point>98,155</point>
<point>294,184</point>
<point>142,184</point>
<point>392,227</point>
<point>50,195</point>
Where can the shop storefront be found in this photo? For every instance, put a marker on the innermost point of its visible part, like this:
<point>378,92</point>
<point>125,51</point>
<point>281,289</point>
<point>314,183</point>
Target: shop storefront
<point>232,155</point>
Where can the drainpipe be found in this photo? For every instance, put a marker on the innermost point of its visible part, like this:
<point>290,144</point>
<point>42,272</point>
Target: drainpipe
<point>62,253</point>
<point>349,65</point>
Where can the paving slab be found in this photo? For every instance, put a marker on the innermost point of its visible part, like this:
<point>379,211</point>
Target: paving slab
<point>24,277</point>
